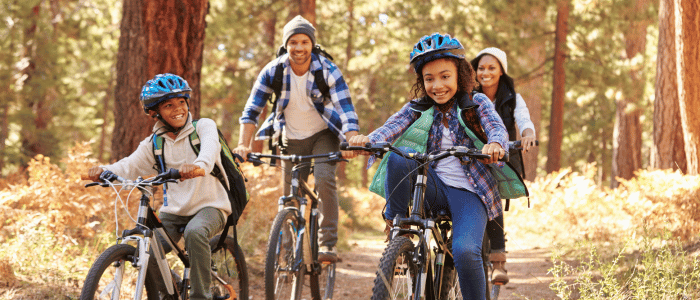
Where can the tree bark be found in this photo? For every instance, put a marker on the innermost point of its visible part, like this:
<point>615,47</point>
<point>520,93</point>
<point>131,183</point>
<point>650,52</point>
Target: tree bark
<point>157,36</point>
<point>668,148</point>
<point>556,123</point>
<point>627,147</point>
<point>688,68</point>
<point>307,9</point>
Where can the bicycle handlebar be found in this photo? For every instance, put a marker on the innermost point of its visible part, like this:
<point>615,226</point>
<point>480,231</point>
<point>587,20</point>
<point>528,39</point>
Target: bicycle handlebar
<point>458,151</point>
<point>255,158</point>
<point>171,175</point>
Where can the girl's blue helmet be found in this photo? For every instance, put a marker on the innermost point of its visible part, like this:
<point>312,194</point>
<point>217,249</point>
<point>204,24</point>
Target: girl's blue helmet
<point>163,87</point>
<point>433,47</point>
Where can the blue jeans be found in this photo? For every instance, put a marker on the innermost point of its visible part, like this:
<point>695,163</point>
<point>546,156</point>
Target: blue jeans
<point>466,209</point>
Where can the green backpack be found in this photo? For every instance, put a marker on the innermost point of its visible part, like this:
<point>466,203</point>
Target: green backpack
<point>234,183</point>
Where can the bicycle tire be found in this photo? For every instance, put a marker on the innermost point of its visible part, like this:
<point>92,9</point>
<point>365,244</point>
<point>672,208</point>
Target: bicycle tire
<point>451,289</point>
<point>280,281</point>
<point>488,269</point>
<point>100,278</point>
<point>229,264</point>
<point>398,269</point>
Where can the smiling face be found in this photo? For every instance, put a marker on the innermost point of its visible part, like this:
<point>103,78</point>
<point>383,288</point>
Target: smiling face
<point>299,47</point>
<point>489,71</point>
<point>174,111</point>
<point>440,80</point>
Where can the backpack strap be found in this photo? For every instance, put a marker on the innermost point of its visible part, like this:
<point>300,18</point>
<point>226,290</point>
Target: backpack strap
<point>196,145</point>
<point>158,145</point>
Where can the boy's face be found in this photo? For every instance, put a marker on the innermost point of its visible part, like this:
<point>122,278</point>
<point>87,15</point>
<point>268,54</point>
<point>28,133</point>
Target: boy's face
<point>174,111</point>
<point>440,80</point>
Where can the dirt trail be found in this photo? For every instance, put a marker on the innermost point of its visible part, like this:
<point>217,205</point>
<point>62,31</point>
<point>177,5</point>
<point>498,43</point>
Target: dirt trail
<point>355,274</point>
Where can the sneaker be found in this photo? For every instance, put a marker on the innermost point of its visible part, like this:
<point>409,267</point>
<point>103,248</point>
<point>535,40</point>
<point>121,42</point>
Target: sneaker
<point>500,274</point>
<point>328,254</point>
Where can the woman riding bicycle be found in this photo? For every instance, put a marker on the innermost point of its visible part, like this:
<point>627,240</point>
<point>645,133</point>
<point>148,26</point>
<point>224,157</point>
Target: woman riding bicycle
<point>198,205</point>
<point>466,189</point>
<point>491,66</point>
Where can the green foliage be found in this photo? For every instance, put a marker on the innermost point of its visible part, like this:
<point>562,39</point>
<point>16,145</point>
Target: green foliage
<point>652,272</point>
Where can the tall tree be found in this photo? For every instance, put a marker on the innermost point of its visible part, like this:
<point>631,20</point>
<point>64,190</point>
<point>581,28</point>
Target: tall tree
<point>688,68</point>
<point>157,36</point>
<point>668,148</point>
<point>556,123</point>
<point>627,146</point>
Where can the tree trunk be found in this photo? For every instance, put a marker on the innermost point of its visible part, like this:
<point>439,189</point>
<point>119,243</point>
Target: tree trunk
<point>627,146</point>
<point>556,123</point>
<point>157,36</point>
<point>531,86</point>
<point>688,68</point>
<point>4,128</point>
<point>307,9</point>
<point>668,149</point>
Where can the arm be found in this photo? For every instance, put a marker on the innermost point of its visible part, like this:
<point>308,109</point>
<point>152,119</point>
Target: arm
<point>522,118</point>
<point>210,146</point>
<point>494,128</point>
<point>258,95</point>
<point>340,97</point>
<point>138,163</point>
<point>245,140</point>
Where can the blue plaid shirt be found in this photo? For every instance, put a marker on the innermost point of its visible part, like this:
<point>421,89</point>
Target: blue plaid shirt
<point>477,173</point>
<point>338,111</point>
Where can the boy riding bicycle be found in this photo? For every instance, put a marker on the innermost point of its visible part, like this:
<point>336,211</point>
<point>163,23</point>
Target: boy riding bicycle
<point>199,205</point>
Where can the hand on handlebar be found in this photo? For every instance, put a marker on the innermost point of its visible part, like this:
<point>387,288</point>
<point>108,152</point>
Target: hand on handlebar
<point>93,174</point>
<point>359,140</point>
<point>528,142</point>
<point>188,171</point>
<point>242,152</point>
<point>494,150</point>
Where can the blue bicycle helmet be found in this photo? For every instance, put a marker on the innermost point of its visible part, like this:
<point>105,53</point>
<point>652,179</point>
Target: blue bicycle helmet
<point>433,47</point>
<point>163,87</point>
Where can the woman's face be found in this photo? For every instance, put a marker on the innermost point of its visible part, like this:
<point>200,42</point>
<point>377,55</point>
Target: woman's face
<point>489,71</point>
<point>440,80</point>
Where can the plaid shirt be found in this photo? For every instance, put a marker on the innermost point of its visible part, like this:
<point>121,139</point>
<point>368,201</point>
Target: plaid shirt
<point>477,173</point>
<point>338,111</point>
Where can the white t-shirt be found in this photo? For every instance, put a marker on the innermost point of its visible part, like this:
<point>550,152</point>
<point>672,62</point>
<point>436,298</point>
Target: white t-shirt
<point>449,169</point>
<point>302,118</point>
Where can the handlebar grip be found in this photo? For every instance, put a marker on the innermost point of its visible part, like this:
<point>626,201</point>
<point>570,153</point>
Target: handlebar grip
<point>195,173</point>
<point>84,177</point>
<point>344,145</point>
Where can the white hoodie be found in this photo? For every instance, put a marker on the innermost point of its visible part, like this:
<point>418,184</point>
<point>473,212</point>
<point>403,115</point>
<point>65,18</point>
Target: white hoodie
<point>187,197</point>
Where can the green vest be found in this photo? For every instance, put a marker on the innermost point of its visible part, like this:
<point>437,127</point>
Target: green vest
<point>510,184</point>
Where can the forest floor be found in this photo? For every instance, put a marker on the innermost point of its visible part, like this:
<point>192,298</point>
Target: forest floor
<point>527,269</point>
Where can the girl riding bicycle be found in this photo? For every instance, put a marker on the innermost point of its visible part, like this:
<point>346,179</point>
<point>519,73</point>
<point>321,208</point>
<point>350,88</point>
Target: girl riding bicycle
<point>198,205</point>
<point>466,189</point>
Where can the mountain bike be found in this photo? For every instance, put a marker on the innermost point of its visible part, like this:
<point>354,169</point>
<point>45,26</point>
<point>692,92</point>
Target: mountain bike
<point>424,270</point>
<point>122,272</point>
<point>292,249</point>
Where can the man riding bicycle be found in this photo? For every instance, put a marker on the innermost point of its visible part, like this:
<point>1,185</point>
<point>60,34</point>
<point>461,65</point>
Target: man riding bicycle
<point>307,121</point>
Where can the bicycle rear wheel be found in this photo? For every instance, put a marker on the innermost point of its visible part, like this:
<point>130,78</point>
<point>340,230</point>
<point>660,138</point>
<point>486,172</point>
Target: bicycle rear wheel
<point>113,276</point>
<point>323,282</point>
<point>284,276</point>
<point>450,280</point>
<point>228,263</point>
<point>396,277</point>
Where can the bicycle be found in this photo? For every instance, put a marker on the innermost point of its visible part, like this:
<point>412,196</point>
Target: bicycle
<point>291,252</point>
<point>122,272</point>
<point>408,270</point>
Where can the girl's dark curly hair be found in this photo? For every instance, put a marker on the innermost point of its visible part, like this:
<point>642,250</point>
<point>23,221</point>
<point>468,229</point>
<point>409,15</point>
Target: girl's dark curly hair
<point>466,78</point>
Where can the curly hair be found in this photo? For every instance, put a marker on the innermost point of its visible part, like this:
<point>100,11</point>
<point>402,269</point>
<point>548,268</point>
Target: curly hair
<point>466,78</point>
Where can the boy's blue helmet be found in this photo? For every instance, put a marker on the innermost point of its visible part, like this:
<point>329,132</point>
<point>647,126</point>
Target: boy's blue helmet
<point>163,87</point>
<point>433,47</point>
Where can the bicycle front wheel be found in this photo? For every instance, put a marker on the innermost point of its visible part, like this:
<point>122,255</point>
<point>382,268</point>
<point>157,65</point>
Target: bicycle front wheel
<point>396,277</point>
<point>228,264</point>
<point>113,276</point>
<point>284,276</point>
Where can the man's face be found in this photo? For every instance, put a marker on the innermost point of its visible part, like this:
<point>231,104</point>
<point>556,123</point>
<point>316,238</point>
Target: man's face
<point>299,47</point>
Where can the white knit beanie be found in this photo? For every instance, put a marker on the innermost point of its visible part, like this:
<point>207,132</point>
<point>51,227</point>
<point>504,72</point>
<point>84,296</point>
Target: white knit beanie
<point>498,54</point>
